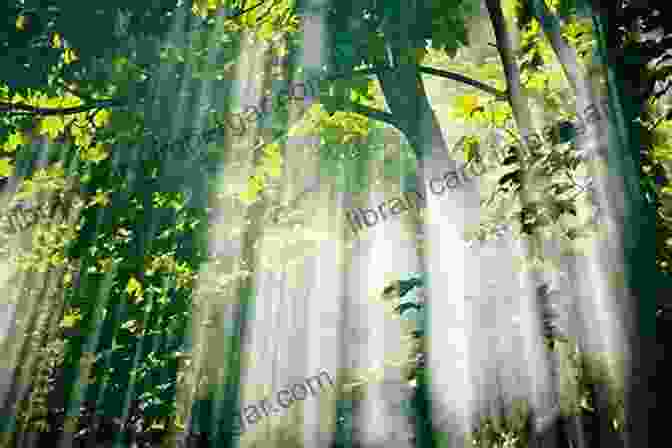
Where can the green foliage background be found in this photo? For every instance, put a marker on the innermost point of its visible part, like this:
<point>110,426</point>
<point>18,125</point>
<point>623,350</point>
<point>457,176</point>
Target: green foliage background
<point>123,265</point>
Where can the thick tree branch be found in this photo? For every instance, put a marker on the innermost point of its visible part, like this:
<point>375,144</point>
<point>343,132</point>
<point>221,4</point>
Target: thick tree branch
<point>460,78</point>
<point>430,71</point>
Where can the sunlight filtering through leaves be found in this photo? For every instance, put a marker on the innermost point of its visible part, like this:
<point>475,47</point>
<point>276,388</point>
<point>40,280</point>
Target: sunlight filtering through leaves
<point>181,184</point>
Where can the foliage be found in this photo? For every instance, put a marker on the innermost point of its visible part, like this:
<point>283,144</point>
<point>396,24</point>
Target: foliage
<point>580,374</point>
<point>136,239</point>
<point>509,432</point>
<point>361,39</point>
<point>131,255</point>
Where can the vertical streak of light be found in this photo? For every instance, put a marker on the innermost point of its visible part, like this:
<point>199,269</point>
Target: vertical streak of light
<point>287,360</point>
<point>447,344</point>
<point>375,419</point>
<point>253,382</point>
<point>538,372</point>
<point>21,239</point>
<point>18,347</point>
<point>185,396</point>
<point>212,304</point>
<point>602,256</point>
<point>326,335</point>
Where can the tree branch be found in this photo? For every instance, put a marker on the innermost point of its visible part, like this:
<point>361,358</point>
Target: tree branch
<point>240,13</point>
<point>26,109</point>
<point>504,96</point>
<point>430,71</point>
<point>460,78</point>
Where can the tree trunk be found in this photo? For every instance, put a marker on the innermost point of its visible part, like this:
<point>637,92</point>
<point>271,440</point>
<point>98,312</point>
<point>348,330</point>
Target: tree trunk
<point>637,226</point>
<point>549,430</point>
<point>631,220</point>
<point>457,211</point>
<point>408,102</point>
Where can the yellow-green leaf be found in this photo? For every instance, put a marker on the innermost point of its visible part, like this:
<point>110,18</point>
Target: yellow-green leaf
<point>14,141</point>
<point>56,41</point>
<point>266,31</point>
<point>83,139</point>
<point>254,186</point>
<point>6,167</point>
<point>465,105</point>
<point>70,320</point>
<point>69,56</point>
<point>52,126</point>
<point>95,154</point>
<point>20,22</point>
<point>102,118</point>
<point>201,8</point>
<point>101,198</point>
<point>133,287</point>
<point>67,279</point>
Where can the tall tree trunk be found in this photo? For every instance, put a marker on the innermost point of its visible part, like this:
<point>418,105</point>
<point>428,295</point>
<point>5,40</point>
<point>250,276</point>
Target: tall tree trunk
<point>547,432</point>
<point>457,211</point>
<point>630,218</point>
<point>408,102</point>
<point>637,232</point>
<point>586,99</point>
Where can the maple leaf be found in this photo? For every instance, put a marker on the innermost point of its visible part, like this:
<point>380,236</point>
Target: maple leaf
<point>53,126</point>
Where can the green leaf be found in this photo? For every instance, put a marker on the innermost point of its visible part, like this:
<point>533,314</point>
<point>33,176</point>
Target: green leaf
<point>402,308</point>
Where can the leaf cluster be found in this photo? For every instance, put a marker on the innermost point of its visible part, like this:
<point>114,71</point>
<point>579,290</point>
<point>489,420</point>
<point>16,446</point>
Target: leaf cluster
<point>364,32</point>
